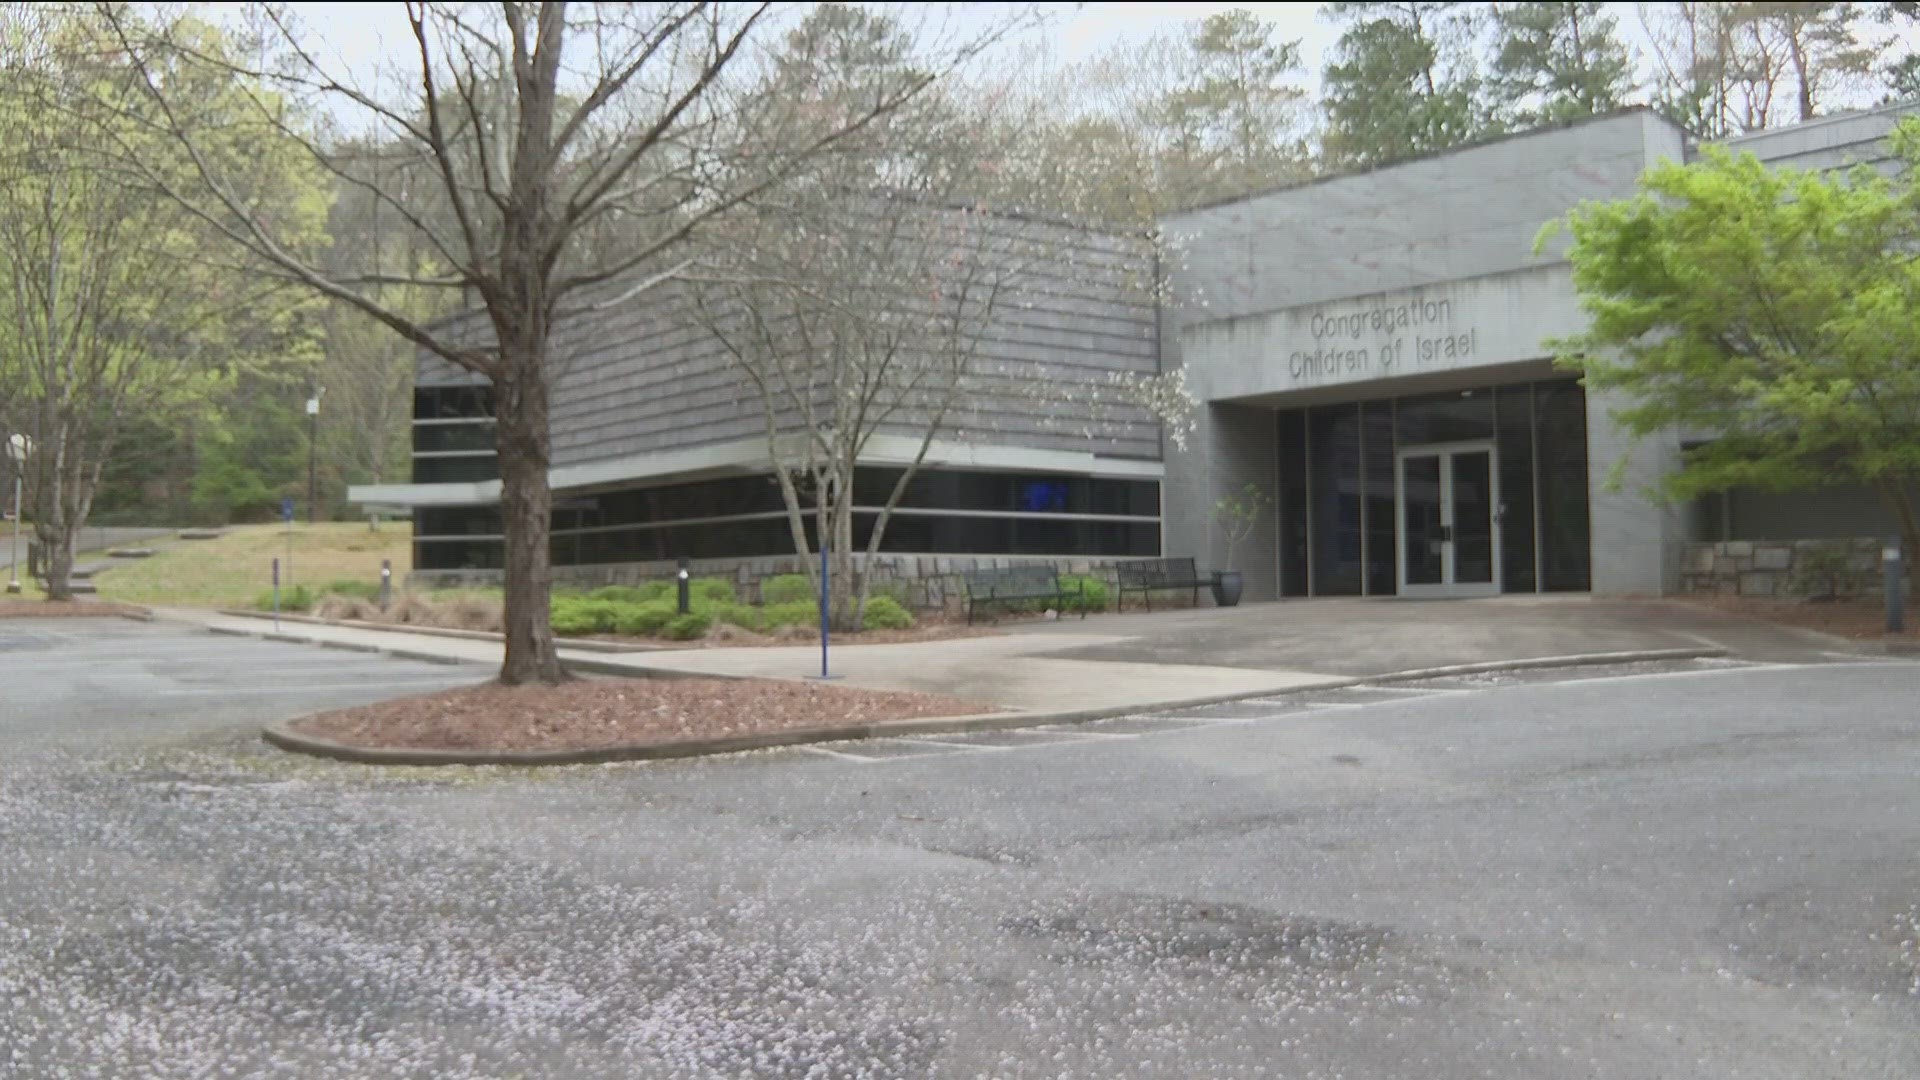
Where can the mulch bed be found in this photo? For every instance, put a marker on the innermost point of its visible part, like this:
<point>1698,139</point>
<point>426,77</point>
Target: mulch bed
<point>593,713</point>
<point>14,607</point>
<point>1859,617</point>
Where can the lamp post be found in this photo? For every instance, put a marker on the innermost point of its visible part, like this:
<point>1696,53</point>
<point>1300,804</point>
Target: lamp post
<point>313,450</point>
<point>17,448</point>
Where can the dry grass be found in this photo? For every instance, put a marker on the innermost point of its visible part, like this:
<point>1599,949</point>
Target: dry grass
<point>234,569</point>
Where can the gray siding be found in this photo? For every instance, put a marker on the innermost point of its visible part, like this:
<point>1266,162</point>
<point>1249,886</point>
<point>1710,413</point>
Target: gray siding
<point>642,376</point>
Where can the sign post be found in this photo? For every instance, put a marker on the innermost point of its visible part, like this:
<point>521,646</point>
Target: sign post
<point>286,515</point>
<point>1896,588</point>
<point>826,610</point>
<point>276,596</point>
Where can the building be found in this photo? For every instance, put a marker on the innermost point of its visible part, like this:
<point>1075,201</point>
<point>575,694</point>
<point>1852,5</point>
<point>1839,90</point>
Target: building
<point>1369,348</point>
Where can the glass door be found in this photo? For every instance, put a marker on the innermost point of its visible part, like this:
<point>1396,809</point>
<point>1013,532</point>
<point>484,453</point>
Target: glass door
<point>1448,497</point>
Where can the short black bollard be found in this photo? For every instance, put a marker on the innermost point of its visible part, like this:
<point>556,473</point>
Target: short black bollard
<point>685,599</point>
<point>1896,588</point>
<point>386,583</point>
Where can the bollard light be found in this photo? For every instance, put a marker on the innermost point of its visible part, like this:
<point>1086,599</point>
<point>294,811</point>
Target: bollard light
<point>1896,588</point>
<point>685,599</point>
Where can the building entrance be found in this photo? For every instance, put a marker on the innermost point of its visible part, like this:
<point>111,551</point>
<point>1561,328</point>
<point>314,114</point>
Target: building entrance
<point>1447,499</point>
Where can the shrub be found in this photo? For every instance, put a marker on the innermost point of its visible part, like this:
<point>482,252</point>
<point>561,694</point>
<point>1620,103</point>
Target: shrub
<point>648,593</point>
<point>689,626</point>
<point>711,590</point>
<point>740,615</point>
<point>1093,592</point>
<point>359,590</point>
<point>885,613</point>
<point>794,613</point>
<point>584,616</point>
<point>296,598</point>
<point>346,607</point>
<point>786,589</point>
<point>644,619</point>
<point>893,590</point>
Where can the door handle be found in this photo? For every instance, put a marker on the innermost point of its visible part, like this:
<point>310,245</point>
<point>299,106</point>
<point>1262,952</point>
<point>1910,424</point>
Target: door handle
<point>1446,534</point>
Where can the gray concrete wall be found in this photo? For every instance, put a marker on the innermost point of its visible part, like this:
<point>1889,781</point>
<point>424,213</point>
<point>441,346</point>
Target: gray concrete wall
<point>1231,446</point>
<point>1830,142</point>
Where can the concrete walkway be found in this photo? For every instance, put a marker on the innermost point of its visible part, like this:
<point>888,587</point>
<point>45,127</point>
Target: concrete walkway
<point>1143,661</point>
<point>1009,670</point>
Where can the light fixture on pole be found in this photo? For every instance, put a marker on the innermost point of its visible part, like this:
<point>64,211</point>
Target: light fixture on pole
<point>18,446</point>
<point>313,450</point>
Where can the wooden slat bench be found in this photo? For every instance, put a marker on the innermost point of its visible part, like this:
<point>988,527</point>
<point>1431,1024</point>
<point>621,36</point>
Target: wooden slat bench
<point>1017,585</point>
<point>1145,575</point>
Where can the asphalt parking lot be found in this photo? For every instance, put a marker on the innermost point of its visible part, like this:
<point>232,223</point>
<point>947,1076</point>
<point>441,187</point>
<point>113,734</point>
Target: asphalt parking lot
<point>1699,869</point>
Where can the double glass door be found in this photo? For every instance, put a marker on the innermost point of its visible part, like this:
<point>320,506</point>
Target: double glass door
<point>1448,499</point>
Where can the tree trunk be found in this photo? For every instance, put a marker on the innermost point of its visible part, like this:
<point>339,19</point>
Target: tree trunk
<point>526,511</point>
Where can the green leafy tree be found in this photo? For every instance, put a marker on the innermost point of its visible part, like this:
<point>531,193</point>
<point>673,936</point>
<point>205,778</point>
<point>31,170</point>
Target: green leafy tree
<point>1772,309</point>
<point>122,308</point>
<point>1401,82</point>
<point>1558,61</point>
<point>1901,73</point>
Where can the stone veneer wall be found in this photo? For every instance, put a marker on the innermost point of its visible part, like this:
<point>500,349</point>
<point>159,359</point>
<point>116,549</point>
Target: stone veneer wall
<point>928,582</point>
<point>1778,568</point>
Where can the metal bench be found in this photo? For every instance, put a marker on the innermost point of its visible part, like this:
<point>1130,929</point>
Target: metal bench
<point>1017,585</point>
<point>1145,575</point>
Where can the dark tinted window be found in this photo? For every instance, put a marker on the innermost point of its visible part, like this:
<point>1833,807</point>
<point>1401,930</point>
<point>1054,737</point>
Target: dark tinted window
<point>449,402</point>
<point>451,470</point>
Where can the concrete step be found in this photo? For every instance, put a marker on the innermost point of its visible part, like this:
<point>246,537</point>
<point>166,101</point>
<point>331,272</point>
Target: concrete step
<point>87,570</point>
<point>202,534</point>
<point>82,587</point>
<point>130,553</point>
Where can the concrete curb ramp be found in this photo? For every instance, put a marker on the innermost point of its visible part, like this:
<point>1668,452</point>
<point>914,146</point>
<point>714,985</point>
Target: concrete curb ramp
<point>283,736</point>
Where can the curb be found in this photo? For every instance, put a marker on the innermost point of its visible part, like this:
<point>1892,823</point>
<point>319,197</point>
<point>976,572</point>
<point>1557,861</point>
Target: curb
<point>283,736</point>
<point>581,644</point>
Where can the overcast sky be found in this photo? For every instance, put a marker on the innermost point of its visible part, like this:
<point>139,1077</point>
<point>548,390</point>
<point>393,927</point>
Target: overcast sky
<point>358,33</point>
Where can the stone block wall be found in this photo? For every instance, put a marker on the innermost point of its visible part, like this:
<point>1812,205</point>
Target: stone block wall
<point>929,583</point>
<point>1781,568</point>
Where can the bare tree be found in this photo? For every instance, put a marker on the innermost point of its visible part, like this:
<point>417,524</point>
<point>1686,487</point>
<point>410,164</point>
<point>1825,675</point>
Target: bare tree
<point>543,149</point>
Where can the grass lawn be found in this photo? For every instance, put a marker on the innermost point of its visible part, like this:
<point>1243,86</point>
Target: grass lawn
<point>234,569</point>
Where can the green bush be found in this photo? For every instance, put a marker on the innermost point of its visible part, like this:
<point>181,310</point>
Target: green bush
<point>587,616</point>
<point>786,589</point>
<point>1093,592</point>
<point>644,619</point>
<point>689,626</point>
<point>296,598</point>
<point>793,613</point>
<point>648,593</point>
<point>359,590</point>
<point>743,616</point>
<point>711,590</point>
<point>568,620</point>
<point>895,591</point>
<point>885,613</point>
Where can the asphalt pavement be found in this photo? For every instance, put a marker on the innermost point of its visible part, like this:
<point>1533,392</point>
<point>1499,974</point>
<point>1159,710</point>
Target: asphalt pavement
<point>1678,870</point>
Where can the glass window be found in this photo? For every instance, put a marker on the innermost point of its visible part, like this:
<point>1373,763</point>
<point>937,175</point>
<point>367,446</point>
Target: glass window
<point>1376,448</point>
<point>1292,426</point>
<point>453,470</point>
<point>1514,415</point>
<point>1453,416</point>
<point>428,438</point>
<point>1333,436</point>
<point>1560,409</point>
<point>450,402</point>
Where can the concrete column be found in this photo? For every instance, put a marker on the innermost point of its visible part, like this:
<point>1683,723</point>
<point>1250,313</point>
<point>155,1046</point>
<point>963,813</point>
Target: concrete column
<point>1637,540</point>
<point>1230,445</point>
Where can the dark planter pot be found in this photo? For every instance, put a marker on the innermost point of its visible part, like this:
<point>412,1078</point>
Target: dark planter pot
<point>1226,588</point>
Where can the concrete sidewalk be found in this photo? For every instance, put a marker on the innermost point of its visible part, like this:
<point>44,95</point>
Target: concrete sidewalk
<point>1125,662</point>
<point>1008,670</point>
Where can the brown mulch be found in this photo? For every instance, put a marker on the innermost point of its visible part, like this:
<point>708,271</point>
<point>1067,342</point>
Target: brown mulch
<point>1858,617</point>
<point>13,607</point>
<point>593,713</point>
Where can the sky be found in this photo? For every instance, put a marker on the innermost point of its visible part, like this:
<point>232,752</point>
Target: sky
<point>358,33</point>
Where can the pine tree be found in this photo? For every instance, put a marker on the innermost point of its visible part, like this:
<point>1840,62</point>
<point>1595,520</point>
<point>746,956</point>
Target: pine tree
<point>1558,61</point>
<point>1401,82</point>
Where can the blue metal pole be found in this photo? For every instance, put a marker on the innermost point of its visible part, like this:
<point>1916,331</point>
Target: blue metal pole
<point>276,596</point>
<point>825,594</point>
